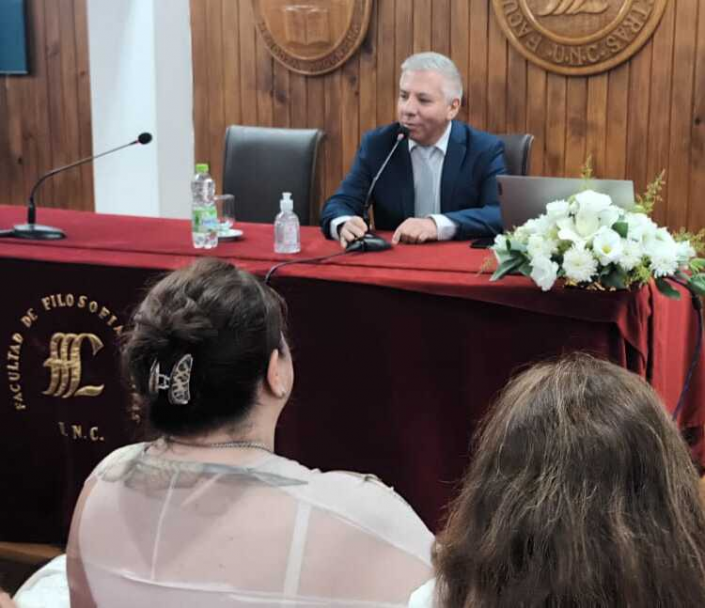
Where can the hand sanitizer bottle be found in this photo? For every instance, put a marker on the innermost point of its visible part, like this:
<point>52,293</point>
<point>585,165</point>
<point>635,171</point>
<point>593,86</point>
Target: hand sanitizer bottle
<point>287,235</point>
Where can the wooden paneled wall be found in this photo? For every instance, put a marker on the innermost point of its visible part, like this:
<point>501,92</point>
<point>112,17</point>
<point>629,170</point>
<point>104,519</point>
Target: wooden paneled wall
<point>643,116</point>
<point>45,117</point>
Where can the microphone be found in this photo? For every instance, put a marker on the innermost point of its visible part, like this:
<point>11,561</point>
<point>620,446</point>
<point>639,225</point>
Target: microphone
<point>370,241</point>
<point>34,231</point>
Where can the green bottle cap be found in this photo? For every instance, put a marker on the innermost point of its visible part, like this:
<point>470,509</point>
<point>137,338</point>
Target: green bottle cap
<point>202,168</point>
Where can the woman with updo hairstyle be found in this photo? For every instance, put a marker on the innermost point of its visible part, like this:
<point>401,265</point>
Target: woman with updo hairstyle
<point>207,514</point>
<point>581,494</point>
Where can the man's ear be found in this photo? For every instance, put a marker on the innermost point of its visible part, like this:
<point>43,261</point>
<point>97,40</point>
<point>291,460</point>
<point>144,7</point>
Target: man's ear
<point>453,109</point>
<point>273,378</point>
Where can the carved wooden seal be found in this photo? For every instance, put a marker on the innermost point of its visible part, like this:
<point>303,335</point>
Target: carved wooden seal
<point>578,37</point>
<point>312,36</point>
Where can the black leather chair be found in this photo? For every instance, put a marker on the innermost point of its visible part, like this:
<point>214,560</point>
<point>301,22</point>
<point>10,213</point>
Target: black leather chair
<point>260,163</point>
<point>517,152</point>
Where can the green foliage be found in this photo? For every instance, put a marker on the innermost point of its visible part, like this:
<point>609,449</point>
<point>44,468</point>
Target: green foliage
<point>621,228</point>
<point>696,265</point>
<point>525,269</point>
<point>666,289</point>
<point>697,239</point>
<point>486,265</point>
<point>639,275</point>
<point>696,284</point>
<point>586,171</point>
<point>652,196</point>
<point>615,278</point>
<point>508,266</point>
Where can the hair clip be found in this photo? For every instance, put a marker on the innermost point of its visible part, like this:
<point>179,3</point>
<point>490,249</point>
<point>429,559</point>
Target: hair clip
<point>178,383</point>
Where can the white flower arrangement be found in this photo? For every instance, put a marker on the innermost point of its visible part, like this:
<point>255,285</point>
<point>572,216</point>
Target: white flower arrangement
<point>590,242</point>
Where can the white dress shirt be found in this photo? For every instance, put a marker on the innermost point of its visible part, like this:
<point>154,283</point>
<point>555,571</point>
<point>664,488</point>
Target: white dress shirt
<point>446,227</point>
<point>436,155</point>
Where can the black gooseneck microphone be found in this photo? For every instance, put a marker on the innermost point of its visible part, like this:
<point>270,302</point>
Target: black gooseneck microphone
<point>32,230</point>
<point>370,241</point>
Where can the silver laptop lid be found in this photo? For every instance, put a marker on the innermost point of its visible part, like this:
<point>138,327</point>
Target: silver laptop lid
<point>522,198</point>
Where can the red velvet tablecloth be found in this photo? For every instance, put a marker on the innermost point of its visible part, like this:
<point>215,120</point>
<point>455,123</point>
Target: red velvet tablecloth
<point>398,353</point>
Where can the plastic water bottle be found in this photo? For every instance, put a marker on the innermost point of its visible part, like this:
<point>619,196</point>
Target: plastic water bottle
<point>204,215</point>
<point>287,235</point>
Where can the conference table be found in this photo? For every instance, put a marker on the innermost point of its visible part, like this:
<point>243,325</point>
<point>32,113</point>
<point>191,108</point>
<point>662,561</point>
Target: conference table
<point>398,354</point>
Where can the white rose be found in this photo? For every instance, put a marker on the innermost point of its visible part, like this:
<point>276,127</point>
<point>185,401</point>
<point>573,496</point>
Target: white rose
<point>684,252</point>
<point>655,242</point>
<point>607,246</point>
<point>568,232</point>
<point>590,205</point>
<point>593,201</point>
<point>544,272</point>
<point>587,224</point>
<point>521,235</point>
<point>579,264</point>
<point>557,209</point>
<point>541,225</point>
<point>609,216</point>
<point>541,246</point>
<point>500,241</point>
<point>640,226</point>
<point>631,255</point>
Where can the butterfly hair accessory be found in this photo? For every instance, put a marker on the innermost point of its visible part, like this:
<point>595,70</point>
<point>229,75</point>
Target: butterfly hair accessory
<point>178,383</point>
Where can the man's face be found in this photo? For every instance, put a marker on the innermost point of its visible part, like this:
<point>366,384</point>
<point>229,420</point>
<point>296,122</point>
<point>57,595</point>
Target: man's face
<point>423,106</point>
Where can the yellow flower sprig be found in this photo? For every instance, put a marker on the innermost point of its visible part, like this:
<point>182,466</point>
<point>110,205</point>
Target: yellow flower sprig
<point>652,196</point>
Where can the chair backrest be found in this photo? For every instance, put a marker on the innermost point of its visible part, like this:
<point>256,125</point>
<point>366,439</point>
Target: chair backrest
<point>517,152</point>
<point>260,163</point>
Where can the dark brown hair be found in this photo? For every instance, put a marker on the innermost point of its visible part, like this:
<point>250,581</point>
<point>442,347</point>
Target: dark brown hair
<point>227,320</point>
<point>581,493</point>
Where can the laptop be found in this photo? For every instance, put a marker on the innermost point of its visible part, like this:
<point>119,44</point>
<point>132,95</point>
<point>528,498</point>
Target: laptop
<point>522,198</point>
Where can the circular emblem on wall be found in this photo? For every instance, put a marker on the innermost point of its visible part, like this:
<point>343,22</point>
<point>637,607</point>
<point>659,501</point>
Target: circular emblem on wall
<point>578,37</point>
<point>312,36</point>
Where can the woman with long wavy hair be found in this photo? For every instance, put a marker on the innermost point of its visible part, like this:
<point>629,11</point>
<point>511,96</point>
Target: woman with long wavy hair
<point>581,493</point>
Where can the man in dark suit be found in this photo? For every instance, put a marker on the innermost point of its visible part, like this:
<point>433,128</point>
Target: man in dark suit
<point>440,185</point>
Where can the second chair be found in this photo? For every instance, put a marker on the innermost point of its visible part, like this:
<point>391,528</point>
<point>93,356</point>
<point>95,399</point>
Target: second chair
<point>260,163</point>
<point>517,152</point>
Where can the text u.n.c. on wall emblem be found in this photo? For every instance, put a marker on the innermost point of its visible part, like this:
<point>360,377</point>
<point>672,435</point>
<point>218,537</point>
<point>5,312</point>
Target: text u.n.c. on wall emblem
<point>48,351</point>
<point>312,36</point>
<point>64,363</point>
<point>578,37</point>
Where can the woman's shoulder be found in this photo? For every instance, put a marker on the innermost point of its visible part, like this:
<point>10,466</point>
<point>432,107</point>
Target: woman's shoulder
<point>119,456</point>
<point>364,500</point>
<point>424,596</point>
<point>348,484</point>
<point>364,483</point>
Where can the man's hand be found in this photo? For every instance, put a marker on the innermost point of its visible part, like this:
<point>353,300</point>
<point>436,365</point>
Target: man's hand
<point>416,230</point>
<point>353,229</point>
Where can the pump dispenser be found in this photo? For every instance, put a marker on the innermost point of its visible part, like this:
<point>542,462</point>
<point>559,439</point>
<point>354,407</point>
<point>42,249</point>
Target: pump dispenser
<point>287,232</point>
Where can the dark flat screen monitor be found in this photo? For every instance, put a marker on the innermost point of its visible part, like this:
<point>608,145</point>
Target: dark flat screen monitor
<point>13,37</point>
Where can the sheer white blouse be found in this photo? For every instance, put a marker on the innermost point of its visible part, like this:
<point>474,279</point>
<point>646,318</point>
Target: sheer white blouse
<point>151,531</point>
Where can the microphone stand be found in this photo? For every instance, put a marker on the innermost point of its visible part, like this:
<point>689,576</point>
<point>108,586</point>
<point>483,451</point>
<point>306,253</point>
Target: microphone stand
<point>32,230</point>
<point>370,241</point>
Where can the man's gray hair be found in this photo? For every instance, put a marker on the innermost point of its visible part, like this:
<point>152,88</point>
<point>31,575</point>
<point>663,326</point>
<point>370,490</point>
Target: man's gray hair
<point>435,62</point>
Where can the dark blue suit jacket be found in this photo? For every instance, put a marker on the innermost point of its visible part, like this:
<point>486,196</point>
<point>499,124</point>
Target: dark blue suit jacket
<point>468,185</point>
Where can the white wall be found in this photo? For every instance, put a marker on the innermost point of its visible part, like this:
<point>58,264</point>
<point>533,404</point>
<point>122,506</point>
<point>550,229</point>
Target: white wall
<point>140,73</point>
